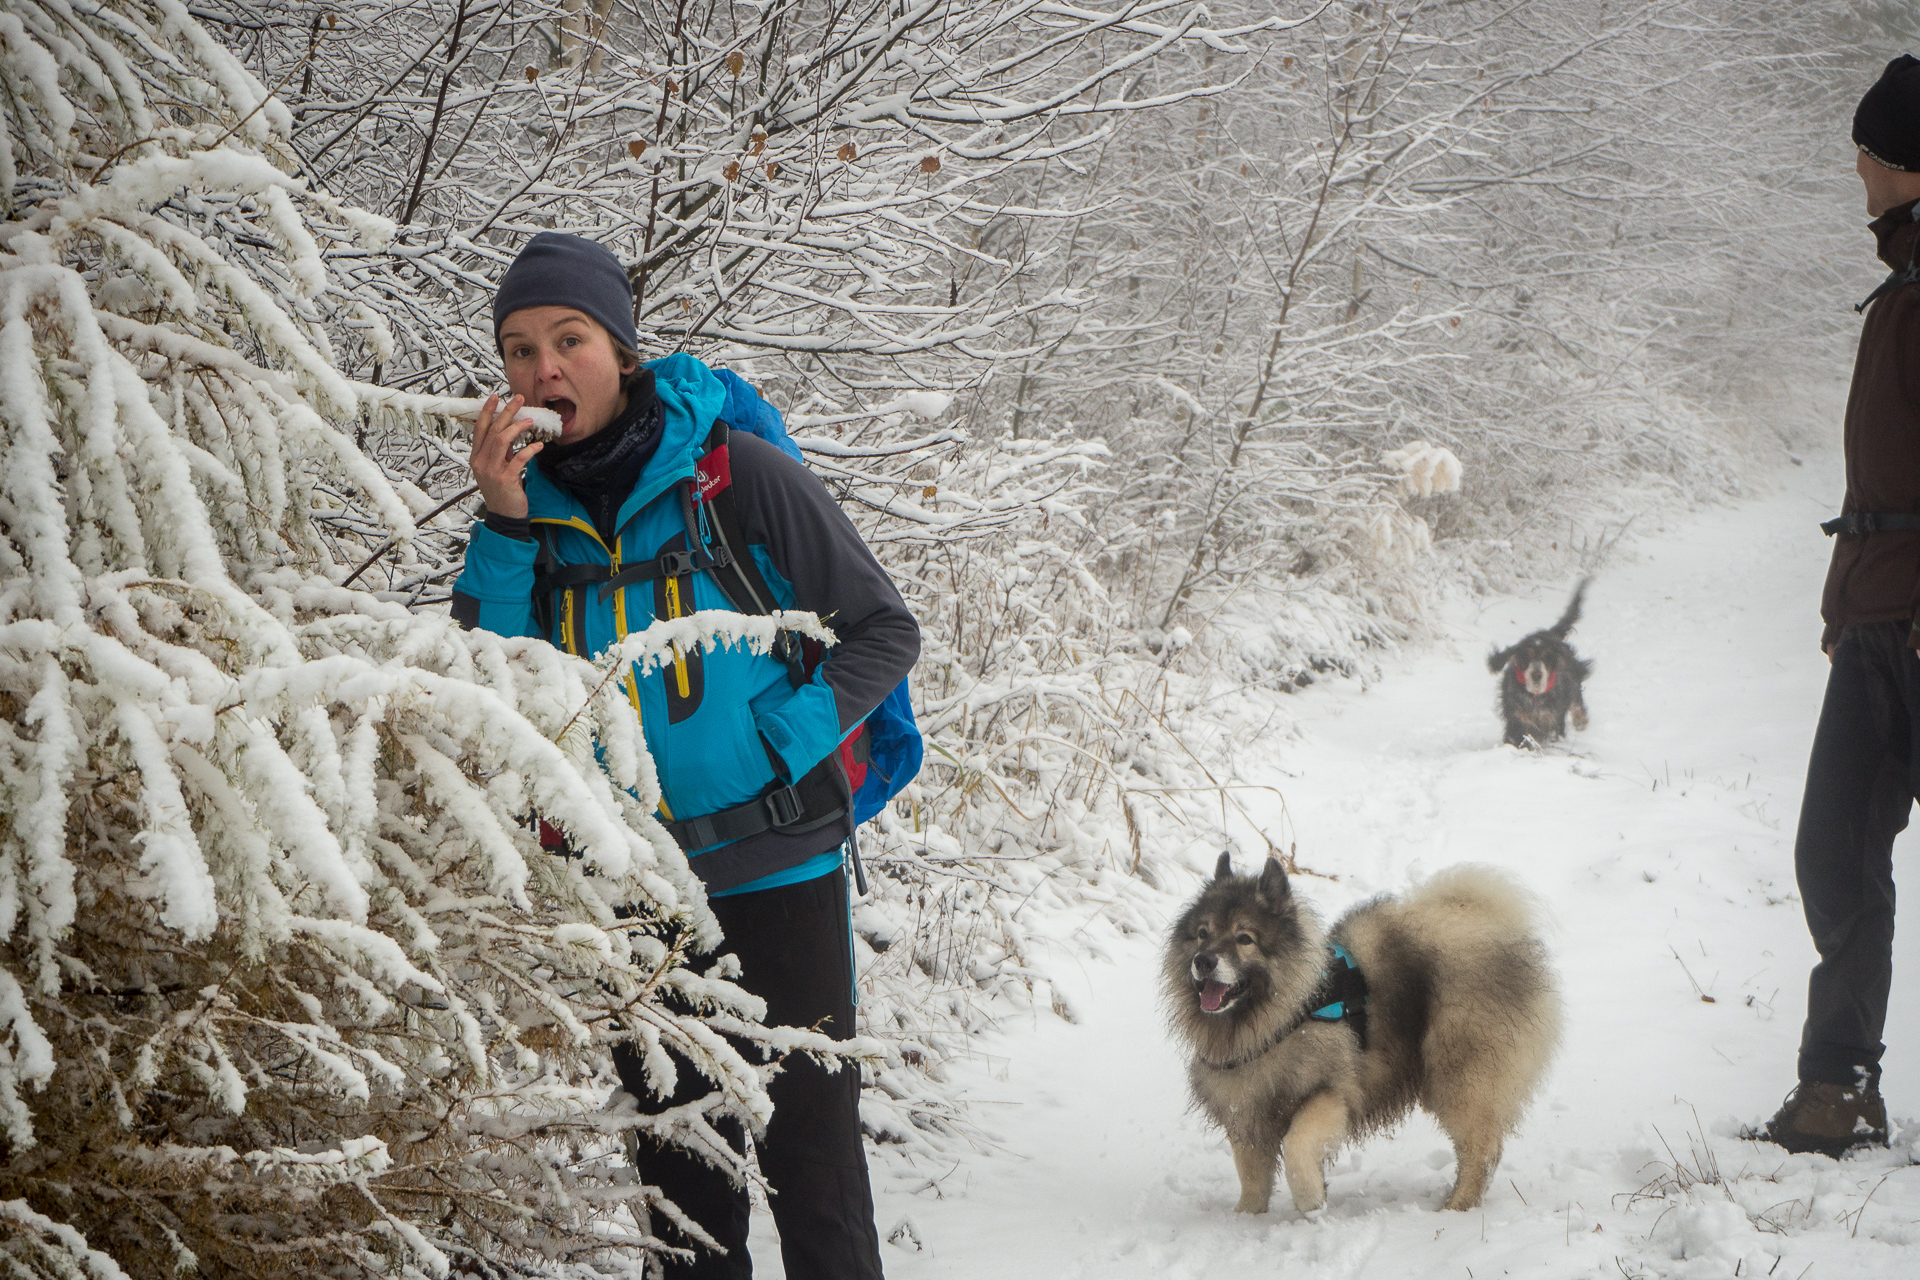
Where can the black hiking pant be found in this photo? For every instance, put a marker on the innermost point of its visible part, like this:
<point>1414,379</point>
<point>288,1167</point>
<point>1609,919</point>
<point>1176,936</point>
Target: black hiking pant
<point>1861,784</point>
<point>796,954</point>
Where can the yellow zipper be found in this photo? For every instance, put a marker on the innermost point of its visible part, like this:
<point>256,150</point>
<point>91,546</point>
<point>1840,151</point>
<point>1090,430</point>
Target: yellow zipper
<point>570,630</point>
<point>679,659</point>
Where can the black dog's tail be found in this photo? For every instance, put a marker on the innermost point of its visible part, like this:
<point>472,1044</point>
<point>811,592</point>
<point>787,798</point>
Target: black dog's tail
<point>1559,629</point>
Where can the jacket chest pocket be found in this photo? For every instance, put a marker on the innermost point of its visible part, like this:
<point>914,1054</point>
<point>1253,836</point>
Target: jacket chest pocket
<point>709,749</point>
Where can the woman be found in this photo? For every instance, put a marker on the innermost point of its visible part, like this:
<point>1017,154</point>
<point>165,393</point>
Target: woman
<point>603,533</point>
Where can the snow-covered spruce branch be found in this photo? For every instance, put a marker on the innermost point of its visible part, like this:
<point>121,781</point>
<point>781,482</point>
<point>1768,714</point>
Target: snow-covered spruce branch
<point>708,629</point>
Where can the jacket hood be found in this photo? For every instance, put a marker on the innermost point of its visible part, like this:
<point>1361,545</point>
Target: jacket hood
<point>1897,234</point>
<point>691,398</point>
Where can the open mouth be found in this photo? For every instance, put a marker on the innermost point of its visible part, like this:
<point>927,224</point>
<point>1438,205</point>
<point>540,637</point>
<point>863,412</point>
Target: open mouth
<point>566,409</point>
<point>1216,996</point>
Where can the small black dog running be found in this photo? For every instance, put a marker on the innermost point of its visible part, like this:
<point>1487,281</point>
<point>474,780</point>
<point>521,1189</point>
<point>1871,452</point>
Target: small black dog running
<point>1540,679</point>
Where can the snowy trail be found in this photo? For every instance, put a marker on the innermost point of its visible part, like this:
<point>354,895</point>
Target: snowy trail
<point>1661,841</point>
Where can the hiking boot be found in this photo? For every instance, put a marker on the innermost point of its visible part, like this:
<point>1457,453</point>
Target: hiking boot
<point>1831,1119</point>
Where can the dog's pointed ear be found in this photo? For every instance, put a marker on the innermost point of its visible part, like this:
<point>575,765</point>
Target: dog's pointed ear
<point>1223,869</point>
<point>1274,887</point>
<point>1498,659</point>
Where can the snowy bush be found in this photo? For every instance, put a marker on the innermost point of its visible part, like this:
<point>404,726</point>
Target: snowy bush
<point>1425,469</point>
<point>1517,236</point>
<point>288,985</point>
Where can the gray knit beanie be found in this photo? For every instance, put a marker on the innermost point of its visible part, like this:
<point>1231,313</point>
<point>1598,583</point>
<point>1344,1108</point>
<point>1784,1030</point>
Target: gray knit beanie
<point>560,270</point>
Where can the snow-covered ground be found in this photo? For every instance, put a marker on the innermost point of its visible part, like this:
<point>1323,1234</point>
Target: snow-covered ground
<point>1662,842</point>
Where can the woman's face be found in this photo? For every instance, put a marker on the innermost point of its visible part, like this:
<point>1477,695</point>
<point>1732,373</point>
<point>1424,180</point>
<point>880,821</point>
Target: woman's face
<point>561,359</point>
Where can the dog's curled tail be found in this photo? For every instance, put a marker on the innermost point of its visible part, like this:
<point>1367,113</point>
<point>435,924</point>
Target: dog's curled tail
<point>1559,629</point>
<point>1482,899</point>
<point>1498,1023</point>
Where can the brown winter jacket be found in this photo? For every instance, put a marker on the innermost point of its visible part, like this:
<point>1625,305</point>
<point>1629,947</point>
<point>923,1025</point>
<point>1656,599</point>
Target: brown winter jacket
<point>1875,577</point>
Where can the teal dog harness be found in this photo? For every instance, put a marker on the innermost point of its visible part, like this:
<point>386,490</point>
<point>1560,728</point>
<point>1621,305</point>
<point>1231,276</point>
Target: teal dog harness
<point>1342,995</point>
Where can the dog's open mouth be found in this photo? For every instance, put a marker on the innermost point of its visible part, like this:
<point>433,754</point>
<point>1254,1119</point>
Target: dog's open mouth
<point>1215,996</point>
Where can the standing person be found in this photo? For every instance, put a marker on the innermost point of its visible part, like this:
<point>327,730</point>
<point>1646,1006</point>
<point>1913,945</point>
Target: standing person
<point>1865,772</point>
<point>602,534</point>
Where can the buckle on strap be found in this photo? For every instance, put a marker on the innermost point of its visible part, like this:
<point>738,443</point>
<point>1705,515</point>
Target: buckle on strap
<point>668,564</point>
<point>781,808</point>
<point>784,806</point>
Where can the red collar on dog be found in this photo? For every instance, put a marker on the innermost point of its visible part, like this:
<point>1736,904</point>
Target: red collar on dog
<point>1552,676</point>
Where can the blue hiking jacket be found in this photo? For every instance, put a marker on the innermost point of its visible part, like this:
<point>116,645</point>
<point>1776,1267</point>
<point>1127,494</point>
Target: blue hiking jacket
<point>709,718</point>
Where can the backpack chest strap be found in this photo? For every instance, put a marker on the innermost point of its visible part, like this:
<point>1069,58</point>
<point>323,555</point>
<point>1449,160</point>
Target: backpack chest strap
<point>550,574</point>
<point>671,564</point>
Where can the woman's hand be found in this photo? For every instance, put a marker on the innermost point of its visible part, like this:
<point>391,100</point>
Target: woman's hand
<point>497,468</point>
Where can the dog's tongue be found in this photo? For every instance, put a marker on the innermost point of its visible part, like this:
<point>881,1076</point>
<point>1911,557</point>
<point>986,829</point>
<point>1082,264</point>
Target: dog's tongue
<point>1211,994</point>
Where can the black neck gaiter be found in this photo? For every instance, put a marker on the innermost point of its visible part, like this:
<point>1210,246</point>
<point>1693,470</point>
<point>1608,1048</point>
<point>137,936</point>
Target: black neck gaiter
<point>601,470</point>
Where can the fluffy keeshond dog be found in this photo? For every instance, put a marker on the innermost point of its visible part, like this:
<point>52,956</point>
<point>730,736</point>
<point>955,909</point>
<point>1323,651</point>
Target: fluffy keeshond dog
<point>1541,681</point>
<point>1302,1039</point>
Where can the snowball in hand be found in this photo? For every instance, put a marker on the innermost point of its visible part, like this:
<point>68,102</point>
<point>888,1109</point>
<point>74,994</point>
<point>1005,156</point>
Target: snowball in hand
<point>541,424</point>
<point>535,423</point>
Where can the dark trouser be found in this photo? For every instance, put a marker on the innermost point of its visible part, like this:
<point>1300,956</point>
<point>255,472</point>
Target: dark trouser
<point>1861,783</point>
<point>795,954</point>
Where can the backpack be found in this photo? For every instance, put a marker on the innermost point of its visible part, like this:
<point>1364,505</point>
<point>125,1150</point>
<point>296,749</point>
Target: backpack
<point>883,752</point>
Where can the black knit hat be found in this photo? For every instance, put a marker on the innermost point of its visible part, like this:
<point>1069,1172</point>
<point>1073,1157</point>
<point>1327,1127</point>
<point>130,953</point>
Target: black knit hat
<point>1886,124</point>
<point>559,270</point>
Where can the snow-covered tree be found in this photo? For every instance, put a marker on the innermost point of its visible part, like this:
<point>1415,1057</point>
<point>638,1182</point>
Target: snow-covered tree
<point>287,984</point>
<point>799,190</point>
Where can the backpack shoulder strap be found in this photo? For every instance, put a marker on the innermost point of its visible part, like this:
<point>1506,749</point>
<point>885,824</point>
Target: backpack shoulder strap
<point>734,569</point>
<point>741,580</point>
<point>732,565</point>
<point>1910,274</point>
<point>546,563</point>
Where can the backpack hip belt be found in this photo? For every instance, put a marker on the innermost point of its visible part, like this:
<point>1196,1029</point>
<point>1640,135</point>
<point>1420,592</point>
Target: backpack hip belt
<point>794,810</point>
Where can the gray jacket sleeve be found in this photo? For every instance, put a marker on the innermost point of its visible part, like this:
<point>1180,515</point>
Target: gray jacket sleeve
<point>796,529</point>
